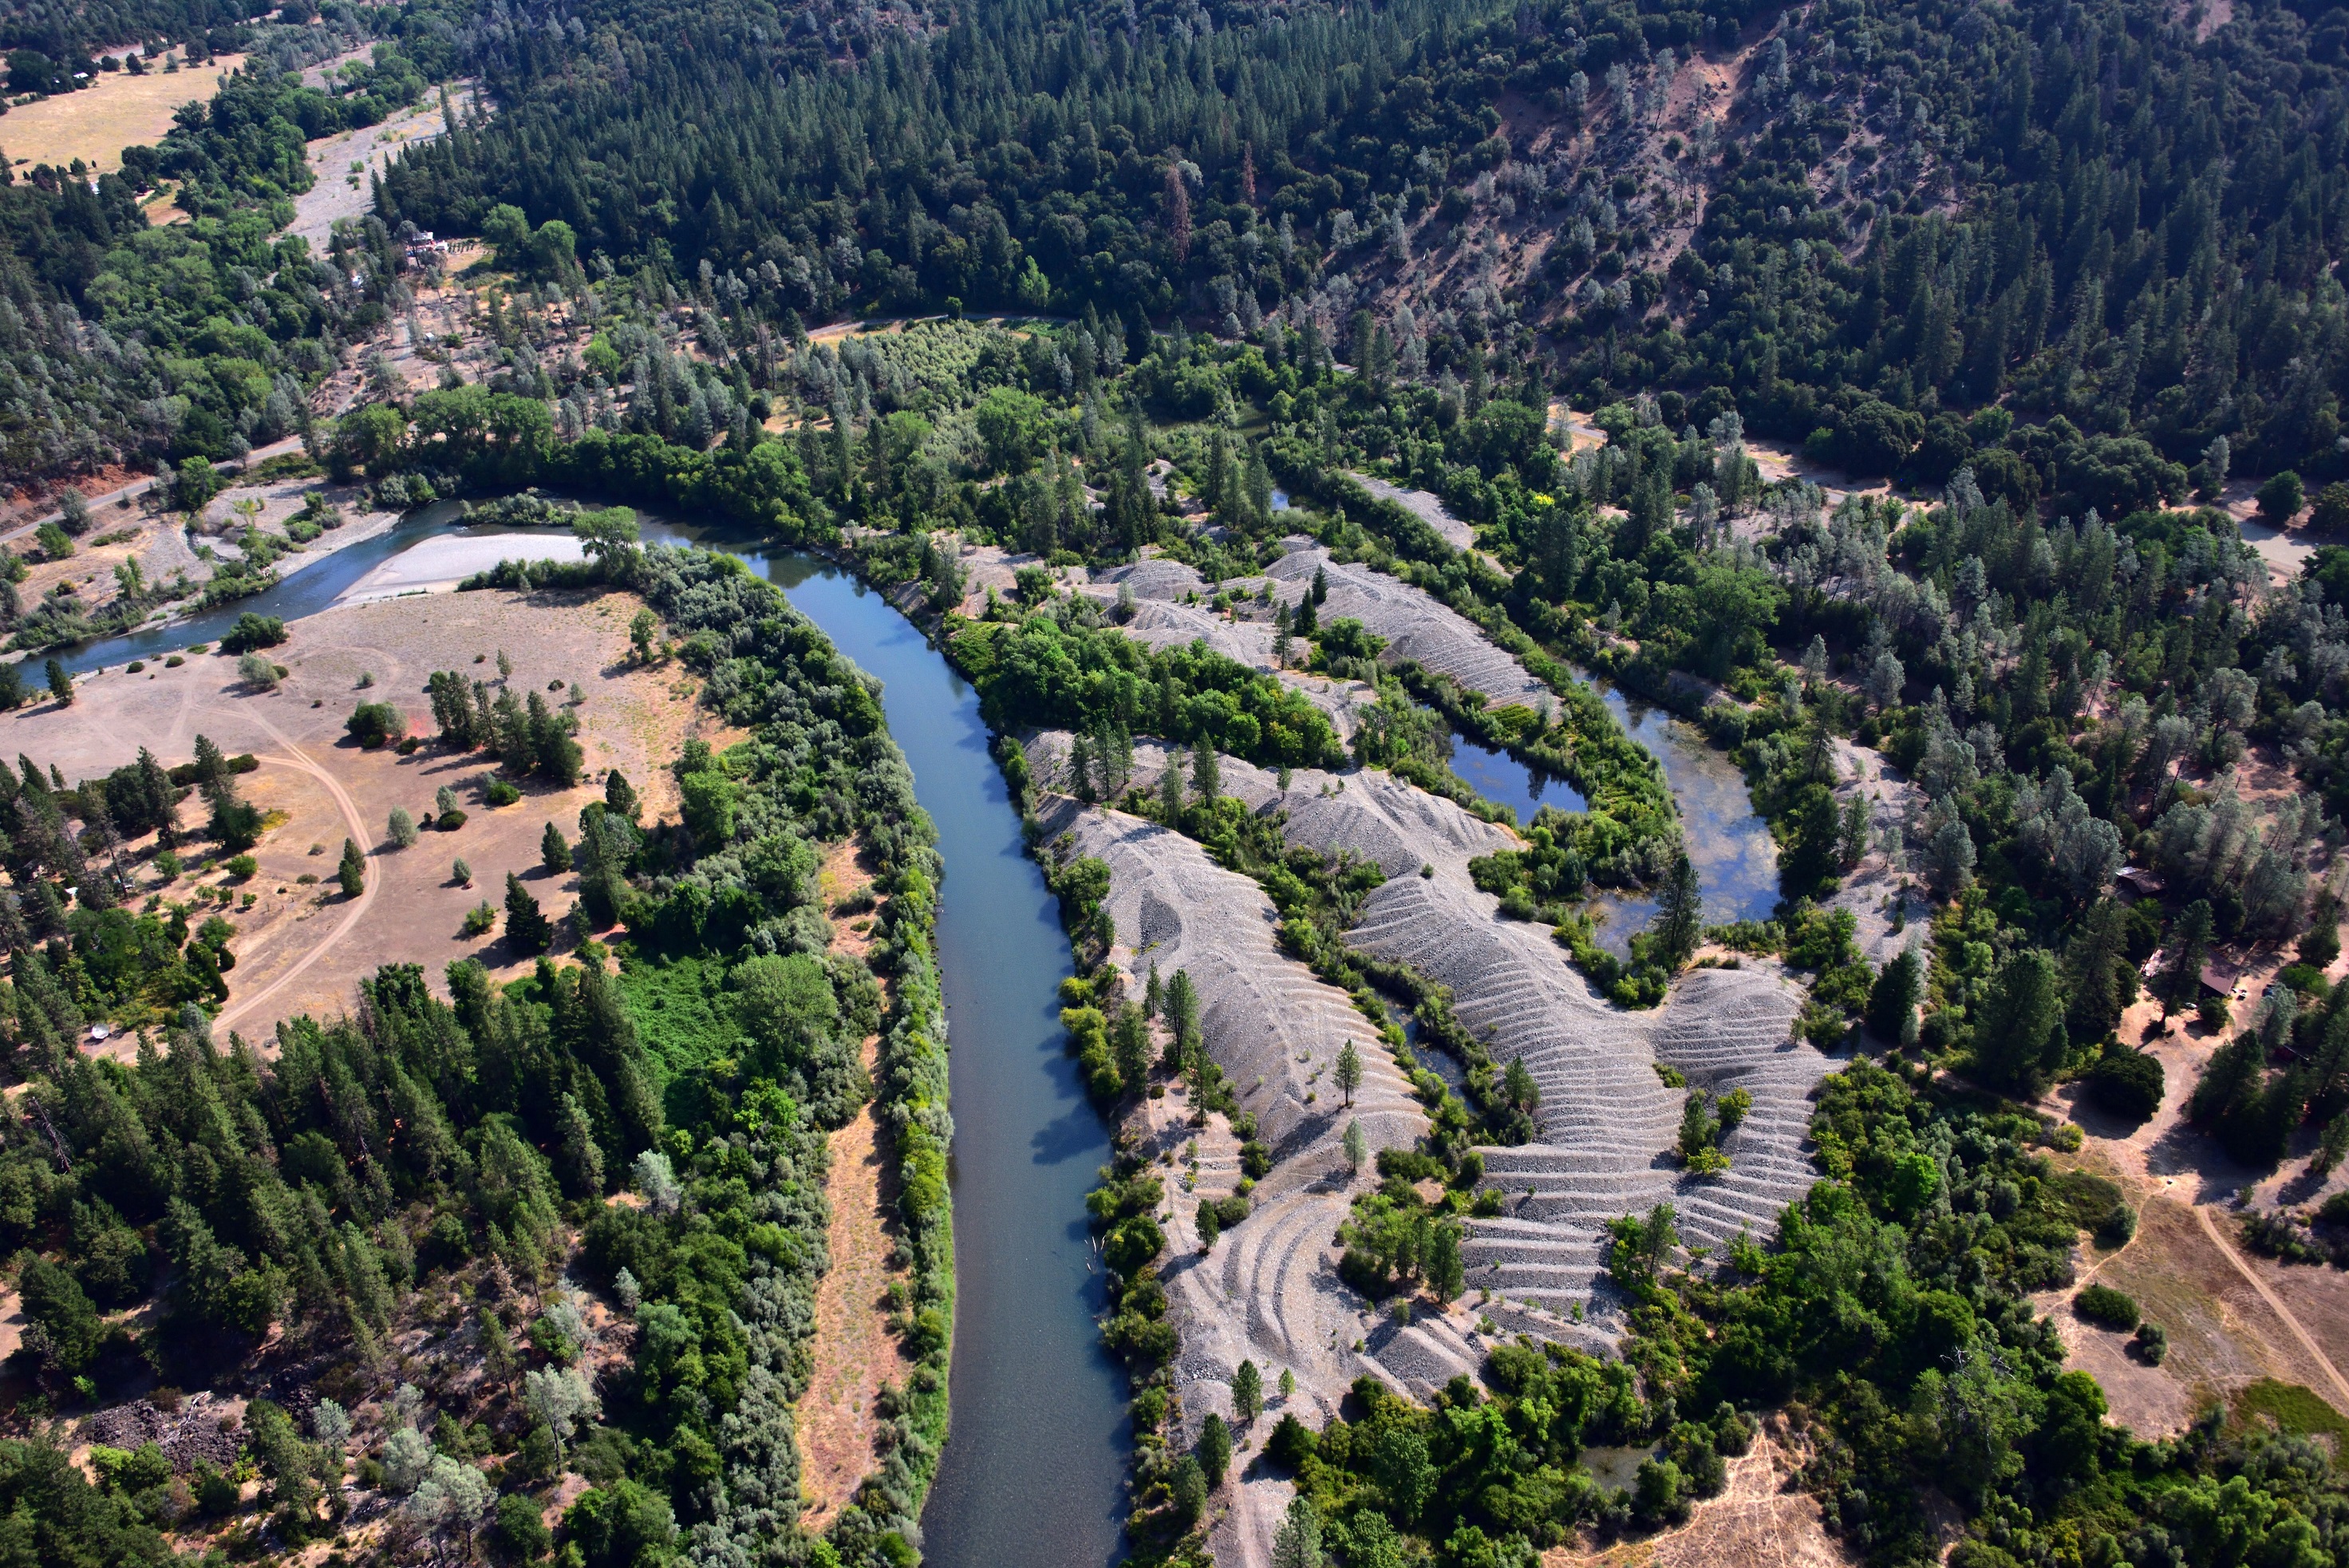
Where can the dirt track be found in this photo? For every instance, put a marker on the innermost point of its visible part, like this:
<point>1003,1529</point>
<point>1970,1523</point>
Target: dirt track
<point>301,947</point>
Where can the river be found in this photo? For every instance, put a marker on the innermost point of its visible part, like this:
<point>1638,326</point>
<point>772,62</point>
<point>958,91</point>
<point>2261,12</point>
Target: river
<point>1034,1468</point>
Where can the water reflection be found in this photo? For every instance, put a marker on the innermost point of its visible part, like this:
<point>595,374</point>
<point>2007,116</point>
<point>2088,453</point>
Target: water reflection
<point>1736,860</point>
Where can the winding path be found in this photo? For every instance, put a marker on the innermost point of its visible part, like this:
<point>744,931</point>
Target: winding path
<point>352,914</point>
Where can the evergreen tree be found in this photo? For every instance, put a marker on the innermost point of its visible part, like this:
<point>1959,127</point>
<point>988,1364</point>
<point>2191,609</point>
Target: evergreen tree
<point>2019,1037</point>
<point>1892,1001</point>
<point>351,872</point>
<point>1130,1044</point>
<point>1680,916</point>
<point>527,929</point>
<point>1247,1393</point>
<point>1349,1071</point>
<point>2189,946</point>
<point>555,850</point>
<point>1215,1449</point>
<point>619,796</point>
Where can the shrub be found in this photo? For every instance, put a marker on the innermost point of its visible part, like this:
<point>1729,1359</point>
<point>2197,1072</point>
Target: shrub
<point>374,723</point>
<point>2103,1304</point>
<point>2127,1083</point>
<point>501,792</point>
<point>2151,1342</point>
<point>257,671</point>
<point>167,865</point>
<point>252,632</point>
<point>519,1535</point>
<point>402,828</point>
<point>479,917</point>
<point>449,821</point>
<point>242,866</point>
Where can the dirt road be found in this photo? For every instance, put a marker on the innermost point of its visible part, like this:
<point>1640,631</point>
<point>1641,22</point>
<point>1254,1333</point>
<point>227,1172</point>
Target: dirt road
<point>353,912</point>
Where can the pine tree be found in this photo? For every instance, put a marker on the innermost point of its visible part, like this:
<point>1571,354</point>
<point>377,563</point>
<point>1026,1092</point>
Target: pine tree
<point>1892,1001</point>
<point>352,870</point>
<point>2189,946</point>
<point>1130,1044</point>
<point>555,850</point>
<point>528,929</point>
<point>1298,1543</point>
<point>1182,1015</point>
<point>619,795</point>
<point>1349,1071</point>
<point>1207,773</point>
<point>1446,1275</point>
<point>1680,916</point>
<point>1215,1448</point>
<point>1247,1391</point>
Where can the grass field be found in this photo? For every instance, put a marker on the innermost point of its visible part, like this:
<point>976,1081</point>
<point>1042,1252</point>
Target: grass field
<point>2294,1409</point>
<point>94,125</point>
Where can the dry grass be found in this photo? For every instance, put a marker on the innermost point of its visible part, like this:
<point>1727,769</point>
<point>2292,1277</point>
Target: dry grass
<point>856,1354</point>
<point>631,721</point>
<point>95,124</point>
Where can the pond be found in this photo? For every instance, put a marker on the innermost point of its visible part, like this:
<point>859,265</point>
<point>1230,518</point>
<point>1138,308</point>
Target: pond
<point>1736,861</point>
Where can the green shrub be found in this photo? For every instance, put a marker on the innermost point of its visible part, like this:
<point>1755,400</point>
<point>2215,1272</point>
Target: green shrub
<point>2129,1084</point>
<point>501,792</point>
<point>2103,1304</point>
<point>252,632</point>
<point>479,918</point>
<point>372,724</point>
<point>242,866</point>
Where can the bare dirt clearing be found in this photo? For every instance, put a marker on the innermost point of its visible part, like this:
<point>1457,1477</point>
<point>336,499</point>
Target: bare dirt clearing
<point>856,1354</point>
<point>2232,1317</point>
<point>343,192</point>
<point>122,110</point>
<point>298,949</point>
<point>1762,1520</point>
